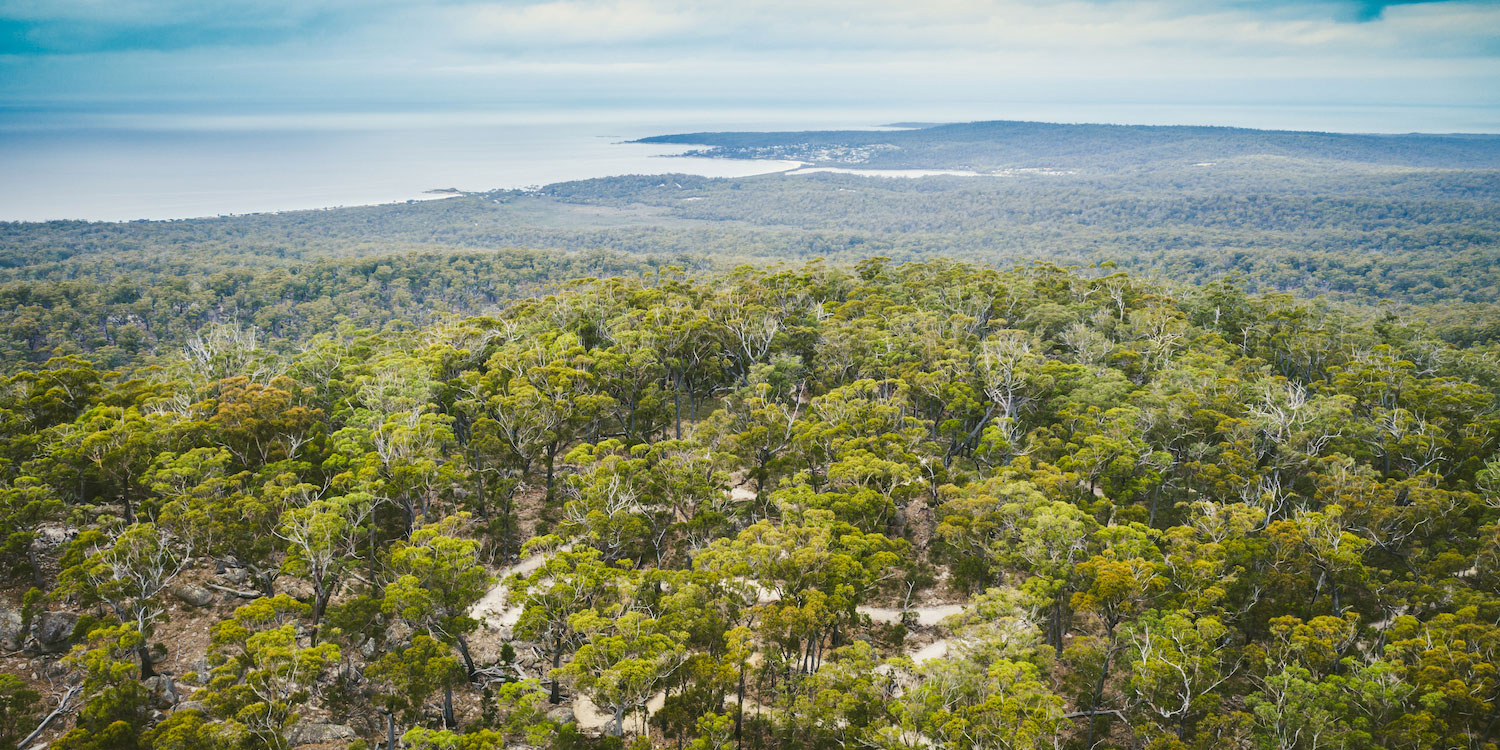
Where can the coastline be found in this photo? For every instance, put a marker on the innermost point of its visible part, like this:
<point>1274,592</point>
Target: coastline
<point>104,175</point>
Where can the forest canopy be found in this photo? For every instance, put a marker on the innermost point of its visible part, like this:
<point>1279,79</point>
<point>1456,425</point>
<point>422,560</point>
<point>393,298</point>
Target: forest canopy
<point>878,504</point>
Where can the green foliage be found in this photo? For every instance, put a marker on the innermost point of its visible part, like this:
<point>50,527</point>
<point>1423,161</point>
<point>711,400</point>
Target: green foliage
<point>115,712</point>
<point>1152,515</point>
<point>262,674</point>
<point>183,730</point>
<point>438,578</point>
<point>623,662</point>
<point>412,675</point>
<point>24,506</point>
<point>18,704</point>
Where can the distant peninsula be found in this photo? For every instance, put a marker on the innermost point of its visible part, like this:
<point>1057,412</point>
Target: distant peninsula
<point>1002,144</point>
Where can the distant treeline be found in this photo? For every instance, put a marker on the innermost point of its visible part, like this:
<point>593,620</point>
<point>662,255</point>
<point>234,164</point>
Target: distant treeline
<point>135,319</point>
<point>1376,229</point>
<point>1006,144</point>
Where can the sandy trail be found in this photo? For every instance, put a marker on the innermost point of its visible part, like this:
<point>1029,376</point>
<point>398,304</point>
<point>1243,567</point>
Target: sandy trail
<point>492,609</point>
<point>496,612</point>
<point>926,616</point>
<point>590,717</point>
<point>934,650</point>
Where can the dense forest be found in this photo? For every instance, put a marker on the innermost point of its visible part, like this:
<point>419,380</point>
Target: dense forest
<point>153,315</point>
<point>1422,241</point>
<point>879,504</point>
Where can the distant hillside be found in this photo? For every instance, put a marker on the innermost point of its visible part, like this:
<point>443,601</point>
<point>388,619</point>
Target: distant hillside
<point>1010,145</point>
<point>1275,210</point>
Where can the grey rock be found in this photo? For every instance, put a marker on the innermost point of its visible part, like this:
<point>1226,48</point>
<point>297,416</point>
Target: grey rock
<point>236,576</point>
<point>162,691</point>
<point>53,630</point>
<point>561,715</point>
<point>398,632</point>
<point>193,595</point>
<point>190,706</point>
<point>55,536</point>
<point>367,649</point>
<point>312,734</point>
<point>295,588</point>
<point>12,632</point>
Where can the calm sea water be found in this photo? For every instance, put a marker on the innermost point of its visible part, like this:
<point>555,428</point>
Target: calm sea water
<point>113,165</point>
<point>123,168</point>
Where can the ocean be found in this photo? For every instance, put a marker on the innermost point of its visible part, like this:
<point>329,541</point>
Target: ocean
<point>120,165</point>
<point>127,168</point>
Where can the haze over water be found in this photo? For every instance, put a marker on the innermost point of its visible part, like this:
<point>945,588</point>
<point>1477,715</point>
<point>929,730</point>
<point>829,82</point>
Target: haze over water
<point>114,165</point>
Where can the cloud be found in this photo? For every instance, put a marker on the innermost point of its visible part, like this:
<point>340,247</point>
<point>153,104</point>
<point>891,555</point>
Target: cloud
<point>85,26</point>
<point>881,28</point>
<point>1374,9</point>
<point>82,26</point>
<point>569,22</point>
<point>523,52</point>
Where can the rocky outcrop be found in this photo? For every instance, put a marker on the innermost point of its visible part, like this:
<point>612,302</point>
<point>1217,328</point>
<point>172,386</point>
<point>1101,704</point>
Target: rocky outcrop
<point>314,734</point>
<point>561,715</point>
<point>162,691</point>
<point>12,628</point>
<point>193,595</point>
<point>296,588</point>
<point>54,630</point>
<point>190,706</point>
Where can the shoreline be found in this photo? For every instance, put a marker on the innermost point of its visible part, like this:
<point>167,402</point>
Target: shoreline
<point>423,197</point>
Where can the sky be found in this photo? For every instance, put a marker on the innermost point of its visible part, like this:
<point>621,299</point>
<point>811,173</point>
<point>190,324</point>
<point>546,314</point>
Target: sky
<point>162,56</point>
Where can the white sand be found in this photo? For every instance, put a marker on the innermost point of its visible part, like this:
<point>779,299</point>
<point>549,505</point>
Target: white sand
<point>926,616</point>
<point>493,610</point>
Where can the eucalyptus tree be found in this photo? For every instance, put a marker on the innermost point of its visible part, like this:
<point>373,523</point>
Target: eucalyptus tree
<point>1003,528</point>
<point>817,570</point>
<point>128,574</point>
<point>25,505</point>
<point>321,537</point>
<point>543,397</point>
<point>394,443</point>
<point>262,675</point>
<point>570,580</point>
<point>635,502</point>
<point>437,578</point>
<point>756,425</point>
<point>623,662</point>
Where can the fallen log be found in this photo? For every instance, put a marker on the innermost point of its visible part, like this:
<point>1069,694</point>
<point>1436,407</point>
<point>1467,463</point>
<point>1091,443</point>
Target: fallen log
<point>241,593</point>
<point>62,707</point>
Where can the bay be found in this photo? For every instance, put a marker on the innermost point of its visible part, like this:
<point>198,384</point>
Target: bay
<point>125,168</point>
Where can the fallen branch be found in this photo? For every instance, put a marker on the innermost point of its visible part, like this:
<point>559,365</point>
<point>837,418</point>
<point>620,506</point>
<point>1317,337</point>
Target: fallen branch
<point>62,706</point>
<point>499,673</point>
<point>1100,712</point>
<point>241,593</point>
